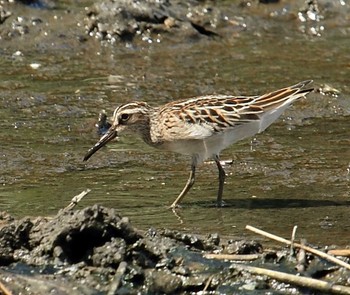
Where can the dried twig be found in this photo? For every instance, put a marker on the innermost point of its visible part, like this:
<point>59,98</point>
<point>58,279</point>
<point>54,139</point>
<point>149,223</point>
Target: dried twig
<point>306,248</point>
<point>208,283</point>
<point>4,289</point>
<point>240,257</point>
<point>296,280</point>
<point>117,278</point>
<point>294,232</point>
<point>76,199</point>
<point>339,252</point>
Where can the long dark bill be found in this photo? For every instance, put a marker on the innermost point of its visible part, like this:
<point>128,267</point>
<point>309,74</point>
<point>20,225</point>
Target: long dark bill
<point>111,134</point>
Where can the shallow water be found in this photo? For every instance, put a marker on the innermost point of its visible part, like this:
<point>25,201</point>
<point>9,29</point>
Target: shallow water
<point>295,173</point>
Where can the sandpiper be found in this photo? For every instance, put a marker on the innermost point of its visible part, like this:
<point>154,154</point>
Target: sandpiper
<point>201,127</point>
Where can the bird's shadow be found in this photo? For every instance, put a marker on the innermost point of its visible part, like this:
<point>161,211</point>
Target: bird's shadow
<point>268,203</point>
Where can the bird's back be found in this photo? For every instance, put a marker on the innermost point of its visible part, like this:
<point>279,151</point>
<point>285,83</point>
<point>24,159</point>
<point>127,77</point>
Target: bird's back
<point>211,123</point>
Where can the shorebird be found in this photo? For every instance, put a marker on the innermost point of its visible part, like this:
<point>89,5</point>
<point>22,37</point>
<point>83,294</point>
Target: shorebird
<point>201,127</point>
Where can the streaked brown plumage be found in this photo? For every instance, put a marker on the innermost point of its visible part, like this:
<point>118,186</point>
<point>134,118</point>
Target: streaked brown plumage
<point>201,126</point>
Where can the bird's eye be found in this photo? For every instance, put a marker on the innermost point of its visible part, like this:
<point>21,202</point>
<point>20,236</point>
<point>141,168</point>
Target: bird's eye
<point>124,117</point>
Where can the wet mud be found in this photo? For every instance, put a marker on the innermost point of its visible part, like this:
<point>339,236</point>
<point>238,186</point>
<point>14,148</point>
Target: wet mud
<point>56,78</point>
<point>131,24</point>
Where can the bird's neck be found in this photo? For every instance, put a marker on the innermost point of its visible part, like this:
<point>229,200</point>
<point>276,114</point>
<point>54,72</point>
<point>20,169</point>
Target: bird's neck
<point>147,132</point>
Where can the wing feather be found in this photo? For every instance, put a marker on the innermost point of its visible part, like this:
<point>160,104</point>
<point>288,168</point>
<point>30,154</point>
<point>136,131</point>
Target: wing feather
<point>202,117</point>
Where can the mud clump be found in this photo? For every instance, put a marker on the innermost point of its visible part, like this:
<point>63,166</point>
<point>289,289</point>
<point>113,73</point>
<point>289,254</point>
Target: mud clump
<point>137,24</point>
<point>89,246</point>
<point>114,21</point>
<point>96,250</point>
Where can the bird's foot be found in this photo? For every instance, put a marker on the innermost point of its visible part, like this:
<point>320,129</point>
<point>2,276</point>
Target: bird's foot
<point>221,203</point>
<point>174,206</point>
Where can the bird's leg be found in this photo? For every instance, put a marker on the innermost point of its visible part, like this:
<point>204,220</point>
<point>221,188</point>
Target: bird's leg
<point>187,187</point>
<point>222,176</point>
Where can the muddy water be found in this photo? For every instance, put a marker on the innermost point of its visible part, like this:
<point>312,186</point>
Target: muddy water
<point>296,173</point>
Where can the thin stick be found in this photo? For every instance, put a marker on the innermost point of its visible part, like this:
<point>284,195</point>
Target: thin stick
<point>4,289</point>
<point>246,257</point>
<point>296,280</point>
<point>76,199</point>
<point>339,252</point>
<point>208,283</point>
<point>294,232</point>
<point>306,248</point>
<point>117,278</point>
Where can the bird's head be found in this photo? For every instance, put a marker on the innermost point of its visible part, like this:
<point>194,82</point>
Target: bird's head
<point>130,117</point>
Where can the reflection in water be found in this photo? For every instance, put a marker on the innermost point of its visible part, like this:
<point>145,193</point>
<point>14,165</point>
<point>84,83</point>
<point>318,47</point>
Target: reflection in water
<point>293,174</point>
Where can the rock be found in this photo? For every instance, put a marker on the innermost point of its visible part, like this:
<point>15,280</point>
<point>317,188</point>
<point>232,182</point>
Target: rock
<point>161,282</point>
